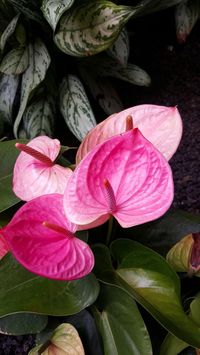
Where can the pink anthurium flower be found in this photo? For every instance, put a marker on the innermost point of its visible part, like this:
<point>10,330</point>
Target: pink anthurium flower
<point>161,125</point>
<point>35,172</point>
<point>42,239</point>
<point>3,247</point>
<point>126,177</point>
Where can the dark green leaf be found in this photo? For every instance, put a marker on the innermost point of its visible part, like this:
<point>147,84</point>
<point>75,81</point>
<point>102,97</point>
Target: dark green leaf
<point>9,30</point>
<point>22,323</point>
<point>120,323</point>
<point>22,291</point>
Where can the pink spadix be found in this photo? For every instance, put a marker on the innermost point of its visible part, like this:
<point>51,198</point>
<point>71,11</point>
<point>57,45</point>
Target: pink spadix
<point>42,239</point>
<point>161,125</point>
<point>35,172</point>
<point>124,176</point>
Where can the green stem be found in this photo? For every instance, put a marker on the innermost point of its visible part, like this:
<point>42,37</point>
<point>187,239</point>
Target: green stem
<point>110,227</point>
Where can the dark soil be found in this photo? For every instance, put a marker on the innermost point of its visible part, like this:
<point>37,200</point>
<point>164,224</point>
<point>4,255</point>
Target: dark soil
<point>175,73</point>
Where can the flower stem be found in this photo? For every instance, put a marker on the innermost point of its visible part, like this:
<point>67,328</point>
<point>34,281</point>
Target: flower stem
<point>110,227</point>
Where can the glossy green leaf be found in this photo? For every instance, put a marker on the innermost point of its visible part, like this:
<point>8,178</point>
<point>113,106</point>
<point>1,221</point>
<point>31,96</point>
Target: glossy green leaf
<point>103,92</point>
<point>8,89</point>
<point>90,28</point>
<point>39,61</point>
<point>15,62</point>
<point>195,310</point>
<point>22,323</point>
<point>65,340</point>
<point>22,291</point>
<point>120,48</point>
<point>131,73</point>
<point>8,155</point>
<point>120,324</point>
<point>163,233</point>
<point>9,30</point>
<point>53,10</point>
<point>39,118</point>
<point>146,276</point>
<point>75,107</point>
<point>186,16</point>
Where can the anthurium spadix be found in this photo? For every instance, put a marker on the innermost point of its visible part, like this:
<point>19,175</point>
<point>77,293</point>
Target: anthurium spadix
<point>35,172</point>
<point>161,125</point>
<point>126,177</point>
<point>42,239</point>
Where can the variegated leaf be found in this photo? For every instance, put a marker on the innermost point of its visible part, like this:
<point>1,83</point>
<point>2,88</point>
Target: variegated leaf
<point>75,107</point>
<point>131,73</point>
<point>120,48</point>
<point>39,61</point>
<point>54,9</point>
<point>15,62</point>
<point>38,119</point>
<point>103,92</point>
<point>90,28</point>
<point>186,15</point>
<point>29,8</point>
<point>8,89</point>
<point>8,32</point>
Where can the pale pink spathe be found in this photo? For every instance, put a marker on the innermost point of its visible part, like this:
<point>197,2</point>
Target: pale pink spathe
<point>33,178</point>
<point>161,125</point>
<point>139,175</point>
<point>46,252</point>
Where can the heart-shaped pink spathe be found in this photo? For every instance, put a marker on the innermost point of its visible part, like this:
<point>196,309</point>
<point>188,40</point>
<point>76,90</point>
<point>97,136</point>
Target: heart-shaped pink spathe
<point>36,175</point>
<point>41,238</point>
<point>161,125</point>
<point>126,177</point>
<point>3,247</point>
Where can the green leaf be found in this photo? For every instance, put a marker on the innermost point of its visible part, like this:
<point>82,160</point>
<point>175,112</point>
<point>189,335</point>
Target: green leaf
<point>131,73</point>
<point>90,28</point>
<point>9,30</point>
<point>149,6</point>
<point>75,107</point>
<point>65,340</point>
<point>53,10</point>
<point>8,156</point>
<point>15,62</point>
<point>8,89</point>
<point>103,92</point>
<point>22,323</point>
<point>147,277</point>
<point>22,291</point>
<point>195,310</point>
<point>120,48</point>
<point>39,61</point>
<point>120,324</point>
<point>28,8</point>
<point>38,118</point>
<point>163,233</point>
<point>186,16</point>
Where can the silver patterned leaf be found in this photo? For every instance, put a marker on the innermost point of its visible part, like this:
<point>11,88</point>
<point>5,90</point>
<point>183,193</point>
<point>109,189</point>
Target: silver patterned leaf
<point>131,73</point>
<point>120,48</point>
<point>9,30</point>
<point>90,28</point>
<point>103,92</point>
<point>39,61</point>
<point>38,119</point>
<point>75,107</point>
<point>8,89</point>
<point>15,62</point>
<point>186,16</point>
<point>54,9</point>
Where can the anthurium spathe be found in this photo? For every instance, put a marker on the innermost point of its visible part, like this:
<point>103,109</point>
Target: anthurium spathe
<point>3,247</point>
<point>35,172</point>
<point>161,125</point>
<point>126,177</point>
<point>42,239</point>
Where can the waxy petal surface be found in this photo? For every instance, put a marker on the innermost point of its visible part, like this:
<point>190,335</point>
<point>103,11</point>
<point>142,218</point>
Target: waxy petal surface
<point>3,247</point>
<point>161,125</point>
<point>139,175</point>
<point>33,178</point>
<point>46,252</point>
